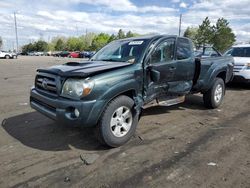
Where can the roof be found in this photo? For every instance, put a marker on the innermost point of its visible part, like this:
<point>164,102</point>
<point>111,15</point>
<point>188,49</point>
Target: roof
<point>144,37</point>
<point>241,45</point>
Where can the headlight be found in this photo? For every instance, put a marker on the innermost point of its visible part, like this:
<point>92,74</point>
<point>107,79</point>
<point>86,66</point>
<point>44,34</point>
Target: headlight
<point>77,88</point>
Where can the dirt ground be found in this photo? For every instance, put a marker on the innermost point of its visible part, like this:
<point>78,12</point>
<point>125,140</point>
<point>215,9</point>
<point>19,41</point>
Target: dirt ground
<point>185,145</point>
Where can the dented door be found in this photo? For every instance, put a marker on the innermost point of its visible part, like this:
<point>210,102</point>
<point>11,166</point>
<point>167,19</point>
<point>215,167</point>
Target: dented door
<point>161,61</point>
<point>176,66</point>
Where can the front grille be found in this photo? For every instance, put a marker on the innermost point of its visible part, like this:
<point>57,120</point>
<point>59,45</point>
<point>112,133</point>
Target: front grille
<point>238,68</point>
<point>47,83</point>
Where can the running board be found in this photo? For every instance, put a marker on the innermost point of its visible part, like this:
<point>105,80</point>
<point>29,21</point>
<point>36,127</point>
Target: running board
<point>168,101</point>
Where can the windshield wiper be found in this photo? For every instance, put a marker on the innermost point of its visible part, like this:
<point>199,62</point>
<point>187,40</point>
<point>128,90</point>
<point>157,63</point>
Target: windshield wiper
<point>109,60</point>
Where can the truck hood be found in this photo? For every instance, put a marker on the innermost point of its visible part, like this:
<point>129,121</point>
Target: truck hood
<point>241,60</point>
<point>83,69</point>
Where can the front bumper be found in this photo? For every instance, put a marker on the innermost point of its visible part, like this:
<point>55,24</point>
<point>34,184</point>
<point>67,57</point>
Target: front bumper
<point>240,79</point>
<point>242,76</point>
<point>62,110</point>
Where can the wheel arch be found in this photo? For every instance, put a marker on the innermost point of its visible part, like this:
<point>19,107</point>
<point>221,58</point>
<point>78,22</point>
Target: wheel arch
<point>131,93</point>
<point>222,75</point>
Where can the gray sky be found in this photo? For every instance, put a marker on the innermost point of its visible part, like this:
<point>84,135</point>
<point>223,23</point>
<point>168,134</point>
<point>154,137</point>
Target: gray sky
<point>47,19</point>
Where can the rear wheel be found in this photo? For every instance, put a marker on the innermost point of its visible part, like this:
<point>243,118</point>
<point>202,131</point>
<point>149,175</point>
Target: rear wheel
<point>214,96</point>
<point>7,57</point>
<point>118,122</point>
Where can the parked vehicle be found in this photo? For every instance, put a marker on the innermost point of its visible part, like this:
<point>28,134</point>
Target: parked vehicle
<point>31,53</point>
<point>83,54</point>
<point>8,55</point>
<point>121,79</point>
<point>87,54</point>
<point>56,53</point>
<point>23,53</point>
<point>74,54</point>
<point>49,53</point>
<point>39,54</point>
<point>241,55</point>
<point>64,54</point>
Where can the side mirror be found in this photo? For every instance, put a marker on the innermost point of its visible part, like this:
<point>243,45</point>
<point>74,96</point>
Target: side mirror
<point>155,75</point>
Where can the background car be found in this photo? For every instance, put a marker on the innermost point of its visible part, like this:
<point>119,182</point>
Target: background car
<point>8,55</point>
<point>241,55</point>
<point>64,54</point>
<point>55,53</point>
<point>74,54</point>
<point>87,54</point>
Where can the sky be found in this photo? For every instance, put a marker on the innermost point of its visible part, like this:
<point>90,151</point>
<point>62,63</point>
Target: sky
<point>45,19</point>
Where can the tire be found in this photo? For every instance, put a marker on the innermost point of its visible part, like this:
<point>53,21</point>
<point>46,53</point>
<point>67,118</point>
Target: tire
<point>113,129</point>
<point>214,96</point>
<point>7,57</point>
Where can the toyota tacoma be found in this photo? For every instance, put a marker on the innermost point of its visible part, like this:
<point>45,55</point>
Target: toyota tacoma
<point>110,90</point>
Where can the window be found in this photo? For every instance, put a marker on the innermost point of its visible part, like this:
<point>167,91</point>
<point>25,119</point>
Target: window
<point>241,52</point>
<point>210,52</point>
<point>184,49</point>
<point>164,52</point>
<point>121,51</point>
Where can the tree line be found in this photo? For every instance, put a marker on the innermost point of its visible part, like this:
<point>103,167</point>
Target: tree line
<point>88,42</point>
<point>219,35</point>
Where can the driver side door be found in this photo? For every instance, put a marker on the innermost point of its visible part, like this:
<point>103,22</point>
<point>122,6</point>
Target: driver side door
<point>161,62</point>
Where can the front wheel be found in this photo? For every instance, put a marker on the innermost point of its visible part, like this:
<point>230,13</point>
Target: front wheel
<point>7,57</point>
<point>214,96</point>
<point>118,122</point>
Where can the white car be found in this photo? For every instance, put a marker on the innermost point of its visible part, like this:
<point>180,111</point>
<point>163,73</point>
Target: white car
<point>8,55</point>
<point>241,54</point>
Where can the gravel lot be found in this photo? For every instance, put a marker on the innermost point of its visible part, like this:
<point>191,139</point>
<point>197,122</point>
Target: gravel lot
<point>180,146</point>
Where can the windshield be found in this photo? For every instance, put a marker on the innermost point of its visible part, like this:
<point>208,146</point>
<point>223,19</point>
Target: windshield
<point>121,51</point>
<point>241,52</point>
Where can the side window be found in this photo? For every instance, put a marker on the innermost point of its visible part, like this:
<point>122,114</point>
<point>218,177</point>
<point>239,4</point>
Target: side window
<point>164,52</point>
<point>210,52</point>
<point>184,49</point>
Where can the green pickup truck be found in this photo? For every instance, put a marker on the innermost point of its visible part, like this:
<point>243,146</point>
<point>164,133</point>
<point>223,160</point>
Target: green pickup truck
<point>110,90</point>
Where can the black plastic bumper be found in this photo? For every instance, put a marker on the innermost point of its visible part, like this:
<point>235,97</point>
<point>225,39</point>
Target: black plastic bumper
<point>240,79</point>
